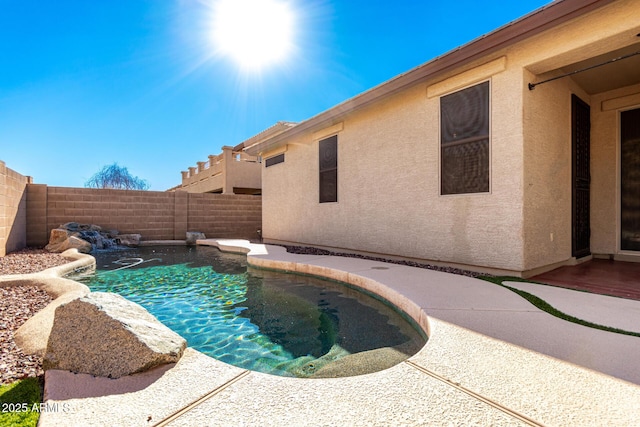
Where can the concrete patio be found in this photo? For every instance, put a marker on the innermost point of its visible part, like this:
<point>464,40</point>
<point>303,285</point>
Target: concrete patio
<point>492,359</point>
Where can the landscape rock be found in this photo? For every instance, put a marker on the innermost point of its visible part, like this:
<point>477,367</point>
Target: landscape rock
<point>33,335</point>
<point>71,226</point>
<point>80,244</point>
<point>128,239</point>
<point>106,335</point>
<point>97,239</point>
<point>75,226</point>
<point>72,235</point>
<point>17,304</point>
<point>58,235</point>
<point>192,236</point>
<point>60,240</point>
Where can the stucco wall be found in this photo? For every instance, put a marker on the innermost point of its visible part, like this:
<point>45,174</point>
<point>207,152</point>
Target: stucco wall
<point>547,195</point>
<point>388,194</point>
<point>206,185</point>
<point>223,173</point>
<point>13,217</point>
<point>388,163</point>
<point>245,174</point>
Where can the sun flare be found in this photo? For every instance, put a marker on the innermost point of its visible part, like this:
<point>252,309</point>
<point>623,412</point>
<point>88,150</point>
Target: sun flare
<point>255,33</point>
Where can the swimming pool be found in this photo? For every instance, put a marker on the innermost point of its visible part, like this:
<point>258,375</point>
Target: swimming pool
<point>276,323</point>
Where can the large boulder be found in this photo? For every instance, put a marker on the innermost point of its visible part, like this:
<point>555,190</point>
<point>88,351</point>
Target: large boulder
<point>106,335</point>
<point>192,236</point>
<point>58,235</point>
<point>128,239</point>
<point>60,240</point>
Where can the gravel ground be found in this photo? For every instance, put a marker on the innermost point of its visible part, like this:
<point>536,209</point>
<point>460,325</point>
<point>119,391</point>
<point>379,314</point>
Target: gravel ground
<point>17,305</point>
<point>29,261</point>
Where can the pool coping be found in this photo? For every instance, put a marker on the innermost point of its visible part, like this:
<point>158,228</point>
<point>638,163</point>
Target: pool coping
<point>459,377</point>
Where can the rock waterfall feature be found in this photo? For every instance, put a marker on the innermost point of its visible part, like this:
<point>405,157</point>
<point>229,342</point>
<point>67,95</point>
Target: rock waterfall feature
<point>88,237</point>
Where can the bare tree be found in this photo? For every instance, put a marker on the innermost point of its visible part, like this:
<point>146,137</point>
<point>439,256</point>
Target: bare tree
<point>116,177</point>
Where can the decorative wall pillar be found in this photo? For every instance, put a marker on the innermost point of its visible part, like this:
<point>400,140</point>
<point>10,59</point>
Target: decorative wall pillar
<point>37,232</point>
<point>181,215</point>
<point>227,159</point>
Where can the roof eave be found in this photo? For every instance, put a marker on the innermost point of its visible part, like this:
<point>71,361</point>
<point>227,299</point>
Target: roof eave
<point>274,130</point>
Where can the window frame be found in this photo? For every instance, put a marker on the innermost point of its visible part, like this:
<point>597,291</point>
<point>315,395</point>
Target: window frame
<point>471,139</point>
<point>274,160</point>
<point>324,171</point>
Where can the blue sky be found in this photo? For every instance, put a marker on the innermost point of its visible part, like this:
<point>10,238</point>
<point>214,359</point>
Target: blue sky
<point>85,84</point>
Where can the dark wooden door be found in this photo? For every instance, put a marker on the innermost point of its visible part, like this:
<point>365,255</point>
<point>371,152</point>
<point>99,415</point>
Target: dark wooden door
<point>581,177</point>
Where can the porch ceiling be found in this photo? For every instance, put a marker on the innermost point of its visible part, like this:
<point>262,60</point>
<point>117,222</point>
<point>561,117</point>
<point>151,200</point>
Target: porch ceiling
<point>621,73</point>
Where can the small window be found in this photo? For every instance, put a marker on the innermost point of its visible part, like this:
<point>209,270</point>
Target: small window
<point>274,160</point>
<point>328,154</point>
<point>464,141</point>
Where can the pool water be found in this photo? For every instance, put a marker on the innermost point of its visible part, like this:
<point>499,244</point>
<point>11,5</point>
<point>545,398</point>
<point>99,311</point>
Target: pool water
<point>276,323</point>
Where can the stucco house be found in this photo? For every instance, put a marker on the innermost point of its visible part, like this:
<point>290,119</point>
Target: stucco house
<point>516,153</point>
<point>231,172</point>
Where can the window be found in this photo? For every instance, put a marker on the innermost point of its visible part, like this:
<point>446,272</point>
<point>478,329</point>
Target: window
<point>328,155</point>
<point>274,160</point>
<point>464,141</point>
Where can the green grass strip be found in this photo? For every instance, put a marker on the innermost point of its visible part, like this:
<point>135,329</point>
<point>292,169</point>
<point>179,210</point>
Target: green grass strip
<point>20,403</point>
<point>546,307</point>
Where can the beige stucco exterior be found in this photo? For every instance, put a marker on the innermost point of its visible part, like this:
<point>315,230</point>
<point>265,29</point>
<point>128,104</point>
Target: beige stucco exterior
<point>230,172</point>
<point>389,199</point>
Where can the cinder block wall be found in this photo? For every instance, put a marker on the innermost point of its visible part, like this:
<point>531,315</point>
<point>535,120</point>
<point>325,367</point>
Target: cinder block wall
<point>155,215</point>
<point>13,210</point>
<point>225,215</point>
